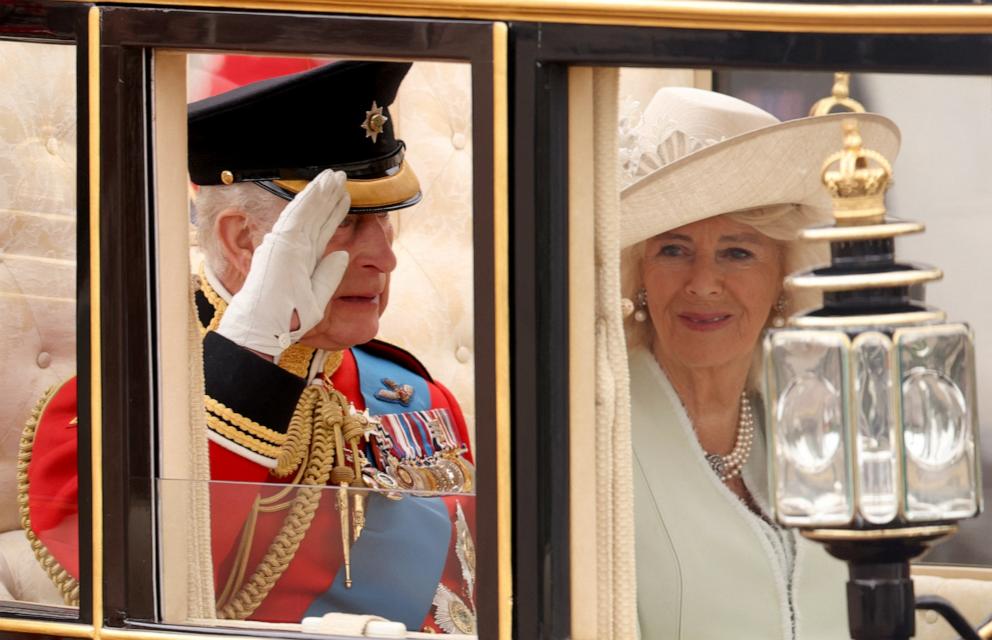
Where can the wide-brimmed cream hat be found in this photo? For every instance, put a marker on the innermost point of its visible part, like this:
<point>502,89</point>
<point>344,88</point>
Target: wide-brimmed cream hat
<point>697,154</point>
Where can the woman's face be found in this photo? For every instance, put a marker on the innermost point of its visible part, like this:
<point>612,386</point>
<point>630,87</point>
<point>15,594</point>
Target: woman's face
<point>711,286</point>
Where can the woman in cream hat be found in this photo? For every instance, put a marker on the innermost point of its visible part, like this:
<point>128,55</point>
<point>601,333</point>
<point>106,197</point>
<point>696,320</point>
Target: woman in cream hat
<point>721,189</point>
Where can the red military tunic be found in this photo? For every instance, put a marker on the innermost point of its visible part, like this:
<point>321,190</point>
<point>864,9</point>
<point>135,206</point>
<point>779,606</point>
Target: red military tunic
<point>249,404</point>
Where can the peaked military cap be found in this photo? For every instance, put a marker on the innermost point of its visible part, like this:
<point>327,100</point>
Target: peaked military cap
<point>280,133</point>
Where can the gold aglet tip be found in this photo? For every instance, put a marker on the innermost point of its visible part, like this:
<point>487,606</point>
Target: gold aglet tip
<point>227,177</point>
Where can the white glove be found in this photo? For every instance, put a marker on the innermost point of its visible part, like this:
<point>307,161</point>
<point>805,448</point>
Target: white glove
<point>287,272</point>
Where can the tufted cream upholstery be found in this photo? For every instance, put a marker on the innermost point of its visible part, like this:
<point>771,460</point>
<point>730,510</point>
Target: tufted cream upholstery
<point>430,309</point>
<point>37,268</point>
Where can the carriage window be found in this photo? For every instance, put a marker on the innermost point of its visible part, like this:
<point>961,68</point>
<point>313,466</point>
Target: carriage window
<point>746,405</point>
<point>38,528</point>
<point>328,461</point>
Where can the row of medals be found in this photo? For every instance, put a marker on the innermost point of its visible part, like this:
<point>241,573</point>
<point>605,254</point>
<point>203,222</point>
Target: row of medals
<point>443,472</point>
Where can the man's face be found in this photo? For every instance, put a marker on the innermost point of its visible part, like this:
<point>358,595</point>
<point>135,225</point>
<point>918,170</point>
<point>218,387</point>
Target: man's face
<point>352,317</point>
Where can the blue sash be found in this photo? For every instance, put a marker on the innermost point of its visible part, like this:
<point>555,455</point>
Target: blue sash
<point>373,371</point>
<point>396,564</point>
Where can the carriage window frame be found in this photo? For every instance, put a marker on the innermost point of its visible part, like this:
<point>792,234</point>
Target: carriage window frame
<point>129,40</point>
<point>541,55</point>
<point>546,224</point>
<point>61,23</point>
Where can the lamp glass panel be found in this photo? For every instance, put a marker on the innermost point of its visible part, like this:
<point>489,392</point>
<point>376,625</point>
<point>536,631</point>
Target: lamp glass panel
<point>936,368</point>
<point>877,458</point>
<point>808,402</point>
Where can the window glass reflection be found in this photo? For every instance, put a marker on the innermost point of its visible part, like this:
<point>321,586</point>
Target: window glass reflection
<point>333,271</point>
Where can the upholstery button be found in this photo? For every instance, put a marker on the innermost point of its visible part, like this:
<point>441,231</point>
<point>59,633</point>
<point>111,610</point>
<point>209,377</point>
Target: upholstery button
<point>931,616</point>
<point>463,354</point>
<point>458,140</point>
<point>44,359</point>
<point>52,146</point>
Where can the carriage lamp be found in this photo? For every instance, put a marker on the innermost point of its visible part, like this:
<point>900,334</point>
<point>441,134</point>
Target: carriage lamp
<point>871,402</point>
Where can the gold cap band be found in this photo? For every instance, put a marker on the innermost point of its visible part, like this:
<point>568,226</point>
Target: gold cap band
<point>384,192</point>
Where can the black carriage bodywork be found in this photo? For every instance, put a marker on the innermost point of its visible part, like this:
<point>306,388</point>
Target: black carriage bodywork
<point>540,48</point>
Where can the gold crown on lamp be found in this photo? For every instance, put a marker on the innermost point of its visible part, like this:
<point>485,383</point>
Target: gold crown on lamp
<point>857,179</point>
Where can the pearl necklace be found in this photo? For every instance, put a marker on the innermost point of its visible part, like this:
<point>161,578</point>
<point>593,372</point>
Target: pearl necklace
<point>729,466</point>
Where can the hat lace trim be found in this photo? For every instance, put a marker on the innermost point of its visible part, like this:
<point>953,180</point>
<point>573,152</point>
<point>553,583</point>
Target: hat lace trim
<point>648,144</point>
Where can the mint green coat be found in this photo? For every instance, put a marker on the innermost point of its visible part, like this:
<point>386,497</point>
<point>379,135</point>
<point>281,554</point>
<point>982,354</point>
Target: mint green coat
<point>707,567</point>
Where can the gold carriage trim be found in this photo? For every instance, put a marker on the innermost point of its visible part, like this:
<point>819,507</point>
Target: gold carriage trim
<point>240,437</point>
<point>62,579</point>
<point>247,425</point>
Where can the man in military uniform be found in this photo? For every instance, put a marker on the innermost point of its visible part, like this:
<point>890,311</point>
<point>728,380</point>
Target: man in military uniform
<point>297,237</point>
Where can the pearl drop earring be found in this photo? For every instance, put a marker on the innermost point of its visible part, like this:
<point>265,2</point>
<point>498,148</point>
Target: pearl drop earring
<point>641,305</point>
<point>778,320</point>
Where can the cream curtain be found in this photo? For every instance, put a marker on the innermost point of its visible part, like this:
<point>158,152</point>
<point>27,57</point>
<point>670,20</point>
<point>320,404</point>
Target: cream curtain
<point>617,603</point>
<point>184,529</point>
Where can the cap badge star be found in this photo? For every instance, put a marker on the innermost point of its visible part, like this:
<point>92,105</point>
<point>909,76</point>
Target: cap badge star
<point>374,123</point>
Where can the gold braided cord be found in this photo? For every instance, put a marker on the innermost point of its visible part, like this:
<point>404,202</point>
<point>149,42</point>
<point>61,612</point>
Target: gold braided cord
<point>218,303</point>
<point>298,436</point>
<point>245,424</point>
<point>240,564</point>
<point>273,503</point>
<point>313,403</point>
<point>240,437</point>
<point>63,580</point>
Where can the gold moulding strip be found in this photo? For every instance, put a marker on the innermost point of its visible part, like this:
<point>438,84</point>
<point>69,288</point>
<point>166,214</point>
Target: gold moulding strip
<point>40,627</point>
<point>853,535</point>
<point>96,364</point>
<point>501,326</point>
<point>810,282</point>
<point>141,634</point>
<point>882,319</point>
<point>864,232</point>
<point>689,14</point>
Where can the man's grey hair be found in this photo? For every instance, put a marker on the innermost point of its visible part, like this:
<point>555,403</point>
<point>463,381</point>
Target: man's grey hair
<point>261,208</point>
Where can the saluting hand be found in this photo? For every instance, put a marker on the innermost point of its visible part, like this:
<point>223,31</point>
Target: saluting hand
<point>289,271</point>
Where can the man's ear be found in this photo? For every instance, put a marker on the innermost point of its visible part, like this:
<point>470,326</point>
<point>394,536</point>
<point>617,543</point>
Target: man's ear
<point>235,241</point>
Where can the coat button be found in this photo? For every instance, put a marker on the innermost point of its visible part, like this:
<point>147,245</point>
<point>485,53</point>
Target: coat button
<point>463,354</point>
<point>44,359</point>
<point>931,616</point>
